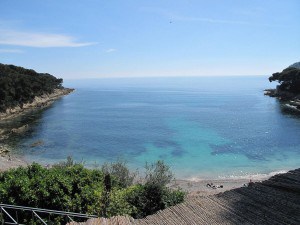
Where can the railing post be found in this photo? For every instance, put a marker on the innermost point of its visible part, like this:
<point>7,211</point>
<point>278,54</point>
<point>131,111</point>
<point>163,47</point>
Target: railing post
<point>12,219</point>
<point>71,220</point>
<point>37,215</point>
<point>39,218</point>
<point>1,217</point>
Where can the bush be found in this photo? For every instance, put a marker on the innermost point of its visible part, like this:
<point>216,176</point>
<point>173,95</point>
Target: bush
<point>73,188</point>
<point>68,186</point>
<point>158,174</point>
<point>126,201</point>
<point>119,171</point>
<point>173,197</point>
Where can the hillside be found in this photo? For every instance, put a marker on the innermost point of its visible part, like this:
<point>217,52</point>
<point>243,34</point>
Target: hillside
<point>19,86</point>
<point>288,90</point>
<point>288,79</point>
<point>295,65</point>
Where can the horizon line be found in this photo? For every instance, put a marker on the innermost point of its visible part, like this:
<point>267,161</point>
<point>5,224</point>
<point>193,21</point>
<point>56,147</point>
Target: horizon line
<point>140,77</point>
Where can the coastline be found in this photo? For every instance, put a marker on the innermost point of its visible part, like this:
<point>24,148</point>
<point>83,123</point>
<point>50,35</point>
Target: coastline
<point>7,160</point>
<point>208,187</point>
<point>39,102</point>
<point>290,101</point>
<point>192,187</point>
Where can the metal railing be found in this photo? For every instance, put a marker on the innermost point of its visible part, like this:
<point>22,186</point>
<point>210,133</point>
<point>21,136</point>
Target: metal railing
<point>7,217</point>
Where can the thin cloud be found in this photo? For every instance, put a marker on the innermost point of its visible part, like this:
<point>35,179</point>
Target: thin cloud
<point>110,50</point>
<point>11,51</point>
<point>39,40</point>
<point>255,11</point>
<point>176,17</point>
<point>218,21</point>
<point>208,20</point>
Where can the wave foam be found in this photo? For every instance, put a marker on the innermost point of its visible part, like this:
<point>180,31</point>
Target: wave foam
<point>257,176</point>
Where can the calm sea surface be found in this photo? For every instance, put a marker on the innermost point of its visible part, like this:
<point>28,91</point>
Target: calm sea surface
<point>202,127</point>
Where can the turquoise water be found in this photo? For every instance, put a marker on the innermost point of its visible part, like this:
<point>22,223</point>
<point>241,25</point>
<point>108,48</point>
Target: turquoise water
<point>202,127</point>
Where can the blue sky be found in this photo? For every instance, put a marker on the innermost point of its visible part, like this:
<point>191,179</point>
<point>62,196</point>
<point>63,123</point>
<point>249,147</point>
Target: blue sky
<point>136,38</point>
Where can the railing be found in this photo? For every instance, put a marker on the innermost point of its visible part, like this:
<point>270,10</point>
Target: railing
<point>10,214</point>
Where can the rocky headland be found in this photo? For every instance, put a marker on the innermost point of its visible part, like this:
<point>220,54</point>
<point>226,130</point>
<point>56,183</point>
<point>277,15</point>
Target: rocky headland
<point>23,91</point>
<point>288,90</point>
<point>38,102</point>
<point>290,100</point>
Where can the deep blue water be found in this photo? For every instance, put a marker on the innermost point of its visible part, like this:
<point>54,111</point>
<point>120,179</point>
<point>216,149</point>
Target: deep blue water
<point>202,127</point>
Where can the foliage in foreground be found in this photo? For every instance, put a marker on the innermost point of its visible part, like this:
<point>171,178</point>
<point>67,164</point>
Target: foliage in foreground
<point>105,192</point>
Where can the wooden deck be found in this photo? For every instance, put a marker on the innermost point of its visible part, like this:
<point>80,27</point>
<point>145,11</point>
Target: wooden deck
<point>275,201</point>
<point>116,220</point>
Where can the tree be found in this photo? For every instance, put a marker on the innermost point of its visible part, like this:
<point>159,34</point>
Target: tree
<point>19,85</point>
<point>288,79</point>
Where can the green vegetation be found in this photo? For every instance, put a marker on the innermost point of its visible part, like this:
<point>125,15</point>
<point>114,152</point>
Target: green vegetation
<point>19,85</point>
<point>108,191</point>
<point>289,80</point>
<point>295,65</point>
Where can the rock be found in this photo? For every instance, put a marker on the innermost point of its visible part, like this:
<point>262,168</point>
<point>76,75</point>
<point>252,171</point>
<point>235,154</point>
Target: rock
<point>38,102</point>
<point>290,100</point>
<point>4,149</point>
<point>37,143</point>
<point>270,92</point>
<point>21,129</point>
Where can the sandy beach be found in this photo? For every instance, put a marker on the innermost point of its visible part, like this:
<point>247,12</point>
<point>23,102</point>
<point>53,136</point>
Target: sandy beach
<point>8,161</point>
<point>211,186</point>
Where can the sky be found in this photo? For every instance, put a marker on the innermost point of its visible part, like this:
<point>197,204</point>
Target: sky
<point>79,39</point>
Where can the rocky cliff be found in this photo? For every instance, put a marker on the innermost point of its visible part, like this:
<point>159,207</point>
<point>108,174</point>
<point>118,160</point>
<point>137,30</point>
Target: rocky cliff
<point>38,103</point>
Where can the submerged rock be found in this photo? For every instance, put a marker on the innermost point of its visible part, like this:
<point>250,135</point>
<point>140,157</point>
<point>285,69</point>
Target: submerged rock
<point>39,102</point>
<point>4,149</point>
<point>21,129</point>
<point>37,143</point>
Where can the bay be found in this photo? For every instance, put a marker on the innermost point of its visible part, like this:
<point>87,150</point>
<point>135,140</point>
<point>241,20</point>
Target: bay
<point>203,127</point>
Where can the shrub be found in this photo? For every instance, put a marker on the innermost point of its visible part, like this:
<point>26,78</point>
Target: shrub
<point>158,174</point>
<point>119,171</point>
<point>69,186</point>
<point>126,201</point>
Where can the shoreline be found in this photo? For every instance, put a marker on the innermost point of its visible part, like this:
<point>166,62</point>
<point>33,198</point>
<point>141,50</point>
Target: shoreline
<point>192,187</point>
<point>289,100</point>
<point>39,102</point>
<point>8,161</point>
<point>208,187</point>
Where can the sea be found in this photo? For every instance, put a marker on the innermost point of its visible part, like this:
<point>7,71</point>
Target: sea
<point>202,127</point>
